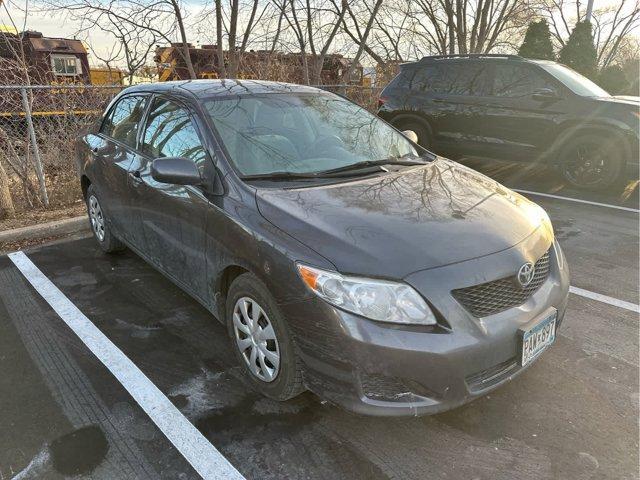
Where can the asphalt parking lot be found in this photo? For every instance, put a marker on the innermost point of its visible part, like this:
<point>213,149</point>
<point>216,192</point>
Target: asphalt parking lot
<point>572,415</point>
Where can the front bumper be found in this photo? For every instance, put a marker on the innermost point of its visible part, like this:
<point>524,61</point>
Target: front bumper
<point>383,369</point>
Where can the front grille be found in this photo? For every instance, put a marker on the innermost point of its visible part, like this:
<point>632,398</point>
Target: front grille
<point>494,297</point>
<point>381,387</point>
<point>492,375</point>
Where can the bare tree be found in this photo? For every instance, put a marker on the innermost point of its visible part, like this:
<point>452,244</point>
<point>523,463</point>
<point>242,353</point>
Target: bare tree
<point>351,26</point>
<point>315,25</point>
<point>236,51</point>
<point>612,25</point>
<point>138,23</point>
<point>6,202</point>
<point>17,71</point>
<point>363,41</point>
<point>177,11</point>
<point>222,72</point>
<point>235,25</point>
<point>471,26</point>
<point>133,44</point>
<point>110,58</point>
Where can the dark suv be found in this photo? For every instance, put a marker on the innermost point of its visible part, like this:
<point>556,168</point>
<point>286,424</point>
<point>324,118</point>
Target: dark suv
<point>511,108</point>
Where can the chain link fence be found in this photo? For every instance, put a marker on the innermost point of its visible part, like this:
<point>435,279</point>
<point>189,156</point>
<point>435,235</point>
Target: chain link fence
<point>38,129</point>
<point>39,126</point>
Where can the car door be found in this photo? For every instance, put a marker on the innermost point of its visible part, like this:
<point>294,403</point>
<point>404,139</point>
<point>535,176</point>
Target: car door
<point>173,217</point>
<point>453,94</point>
<point>519,121</point>
<point>113,150</point>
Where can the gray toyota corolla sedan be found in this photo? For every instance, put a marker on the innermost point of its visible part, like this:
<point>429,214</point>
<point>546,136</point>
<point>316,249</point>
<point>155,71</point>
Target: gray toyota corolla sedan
<point>342,257</point>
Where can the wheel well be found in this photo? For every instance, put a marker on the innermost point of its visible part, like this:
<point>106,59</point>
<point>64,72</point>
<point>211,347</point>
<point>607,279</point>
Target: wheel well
<point>398,117</point>
<point>84,184</point>
<point>573,131</point>
<point>229,274</point>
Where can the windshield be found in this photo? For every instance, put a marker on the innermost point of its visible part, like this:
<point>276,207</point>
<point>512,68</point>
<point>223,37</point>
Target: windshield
<point>574,81</point>
<point>302,133</point>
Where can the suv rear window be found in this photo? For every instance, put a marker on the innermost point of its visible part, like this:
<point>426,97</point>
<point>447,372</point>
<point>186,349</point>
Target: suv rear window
<point>468,78</point>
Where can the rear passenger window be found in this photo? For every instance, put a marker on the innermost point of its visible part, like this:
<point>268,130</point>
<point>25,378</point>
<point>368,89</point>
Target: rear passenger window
<point>462,78</point>
<point>517,81</point>
<point>122,121</point>
<point>171,133</point>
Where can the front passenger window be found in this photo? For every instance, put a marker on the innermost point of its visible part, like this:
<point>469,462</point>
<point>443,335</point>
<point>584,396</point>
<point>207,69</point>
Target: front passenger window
<point>517,81</point>
<point>171,133</point>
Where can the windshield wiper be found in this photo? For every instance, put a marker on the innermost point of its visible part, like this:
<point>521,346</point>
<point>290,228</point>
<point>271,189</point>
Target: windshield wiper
<point>280,176</point>
<point>365,167</point>
<point>373,163</point>
<point>362,169</point>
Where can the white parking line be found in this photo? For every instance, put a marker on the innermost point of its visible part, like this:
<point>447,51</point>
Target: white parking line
<point>577,200</point>
<point>194,447</point>
<point>605,299</point>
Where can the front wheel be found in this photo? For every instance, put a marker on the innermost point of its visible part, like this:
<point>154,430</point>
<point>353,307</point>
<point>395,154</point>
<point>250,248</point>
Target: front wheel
<point>418,126</point>
<point>592,161</point>
<point>99,224</point>
<point>261,339</point>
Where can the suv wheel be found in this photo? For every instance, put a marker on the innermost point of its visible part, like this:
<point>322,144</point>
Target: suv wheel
<point>261,339</point>
<point>420,127</point>
<point>99,224</point>
<point>592,161</point>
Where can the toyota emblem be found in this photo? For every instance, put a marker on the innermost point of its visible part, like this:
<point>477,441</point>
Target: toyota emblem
<point>526,273</point>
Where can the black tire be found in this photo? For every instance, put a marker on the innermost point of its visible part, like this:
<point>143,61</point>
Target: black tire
<point>421,129</point>
<point>592,161</point>
<point>288,380</point>
<point>103,234</point>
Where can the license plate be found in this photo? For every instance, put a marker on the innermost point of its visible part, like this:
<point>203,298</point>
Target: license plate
<point>537,338</point>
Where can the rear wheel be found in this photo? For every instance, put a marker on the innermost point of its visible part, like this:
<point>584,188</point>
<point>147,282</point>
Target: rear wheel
<point>421,129</point>
<point>99,224</point>
<point>261,339</point>
<point>592,161</point>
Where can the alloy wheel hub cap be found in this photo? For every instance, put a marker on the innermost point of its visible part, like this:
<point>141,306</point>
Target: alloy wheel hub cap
<point>96,217</point>
<point>256,339</point>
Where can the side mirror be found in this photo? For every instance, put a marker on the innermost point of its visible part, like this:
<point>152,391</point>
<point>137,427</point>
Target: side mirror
<point>545,94</point>
<point>99,145</point>
<point>175,170</point>
<point>411,135</point>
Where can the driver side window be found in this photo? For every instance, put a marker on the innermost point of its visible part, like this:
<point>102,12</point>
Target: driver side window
<point>170,132</point>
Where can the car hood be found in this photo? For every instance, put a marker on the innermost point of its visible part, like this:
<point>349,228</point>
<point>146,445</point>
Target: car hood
<point>398,223</point>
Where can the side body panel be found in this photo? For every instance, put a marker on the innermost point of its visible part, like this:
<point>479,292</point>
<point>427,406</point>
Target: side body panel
<point>107,167</point>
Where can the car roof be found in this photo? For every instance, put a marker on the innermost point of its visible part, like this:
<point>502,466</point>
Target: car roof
<point>222,88</point>
<point>474,57</point>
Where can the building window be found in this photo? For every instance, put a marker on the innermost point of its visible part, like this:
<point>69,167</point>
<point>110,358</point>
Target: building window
<point>66,65</point>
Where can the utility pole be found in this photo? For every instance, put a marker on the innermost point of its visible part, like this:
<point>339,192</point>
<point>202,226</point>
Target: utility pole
<point>587,17</point>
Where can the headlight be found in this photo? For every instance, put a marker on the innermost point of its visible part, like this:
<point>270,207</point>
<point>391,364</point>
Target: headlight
<point>375,299</point>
